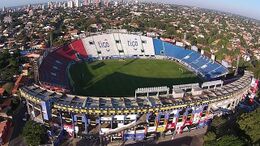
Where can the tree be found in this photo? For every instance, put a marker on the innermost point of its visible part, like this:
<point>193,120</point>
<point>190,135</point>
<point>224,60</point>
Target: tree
<point>230,140</point>
<point>9,65</point>
<point>210,136</point>
<point>34,133</point>
<point>219,126</point>
<point>224,132</point>
<point>194,41</point>
<point>226,140</point>
<point>249,123</point>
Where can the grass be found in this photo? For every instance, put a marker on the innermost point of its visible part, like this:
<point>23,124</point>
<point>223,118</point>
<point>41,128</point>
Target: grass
<point>122,77</point>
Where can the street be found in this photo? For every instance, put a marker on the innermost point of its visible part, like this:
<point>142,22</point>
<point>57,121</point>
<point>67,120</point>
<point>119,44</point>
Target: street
<point>16,138</point>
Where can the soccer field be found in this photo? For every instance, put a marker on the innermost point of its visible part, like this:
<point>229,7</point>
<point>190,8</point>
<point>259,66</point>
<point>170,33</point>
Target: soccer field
<point>122,77</point>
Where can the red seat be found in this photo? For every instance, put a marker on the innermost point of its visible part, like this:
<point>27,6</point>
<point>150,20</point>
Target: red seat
<point>60,58</point>
<point>79,47</point>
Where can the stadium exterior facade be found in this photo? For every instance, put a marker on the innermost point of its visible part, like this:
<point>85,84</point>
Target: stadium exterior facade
<point>153,110</point>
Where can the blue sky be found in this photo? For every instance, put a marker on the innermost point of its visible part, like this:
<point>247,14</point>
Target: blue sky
<point>250,8</point>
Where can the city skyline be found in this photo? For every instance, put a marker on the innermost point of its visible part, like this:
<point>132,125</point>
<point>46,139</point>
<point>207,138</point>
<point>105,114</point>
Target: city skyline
<point>239,7</point>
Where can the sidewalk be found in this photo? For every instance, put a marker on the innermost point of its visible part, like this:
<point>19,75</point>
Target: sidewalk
<point>169,138</point>
<point>16,139</point>
<point>193,138</point>
<point>10,131</point>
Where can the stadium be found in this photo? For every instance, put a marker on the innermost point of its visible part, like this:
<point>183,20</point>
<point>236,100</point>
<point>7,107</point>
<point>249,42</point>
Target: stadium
<point>131,87</point>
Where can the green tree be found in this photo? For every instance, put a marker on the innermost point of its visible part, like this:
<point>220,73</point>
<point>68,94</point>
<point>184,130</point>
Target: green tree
<point>193,41</point>
<point>219,126</point>
<point>34,133</point>
<point>249,123</point>
<point>210,136</point>
<point>230,140</point>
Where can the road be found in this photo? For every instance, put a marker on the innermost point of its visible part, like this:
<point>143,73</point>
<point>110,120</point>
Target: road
<point>193,138</point>
<point>16,138</point>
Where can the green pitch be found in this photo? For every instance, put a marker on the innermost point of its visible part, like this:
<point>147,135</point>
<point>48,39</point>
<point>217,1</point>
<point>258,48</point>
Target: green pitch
<point>122,77</point>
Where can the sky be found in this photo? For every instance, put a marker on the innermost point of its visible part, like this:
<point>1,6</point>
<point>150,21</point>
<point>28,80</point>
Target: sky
<point>250,8</point>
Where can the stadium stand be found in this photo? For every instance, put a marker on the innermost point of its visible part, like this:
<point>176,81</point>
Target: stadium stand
<point>53,70</point>
<point>106,45</point>
<point>147,44</point>
<point>67,52</point>
<point>151,114</point>
<point>79,47</point>
<point>90,47</point>
<point>158,47</point>
<point>131,44</point>
<point>200,64</point>
<point>116,45</point>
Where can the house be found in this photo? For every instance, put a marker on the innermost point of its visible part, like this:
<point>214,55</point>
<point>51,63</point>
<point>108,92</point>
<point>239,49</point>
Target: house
<point>3,93</point>
<point>6,103</point>
<point>5,106</point>
<point>4,129</point>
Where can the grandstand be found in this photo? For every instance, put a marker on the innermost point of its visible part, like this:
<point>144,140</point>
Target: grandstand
<point>198,63</point>
<point>53,70</point>
<point>164,111</point>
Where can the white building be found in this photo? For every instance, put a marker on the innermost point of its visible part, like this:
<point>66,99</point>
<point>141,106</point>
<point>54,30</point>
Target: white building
<point>76,3</point>
<point>31,13</point>
<point>43,7</point>
<point>70,4</point>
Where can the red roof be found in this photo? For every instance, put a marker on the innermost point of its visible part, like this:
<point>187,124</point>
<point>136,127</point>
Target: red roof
<point>2,90</point>
<point>6,103</point>
<point>2,127</point>
<point>17,83</point>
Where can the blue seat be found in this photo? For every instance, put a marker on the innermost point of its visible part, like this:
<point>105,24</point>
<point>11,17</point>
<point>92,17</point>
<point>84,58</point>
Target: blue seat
<point>192,59</point>
<point>175,51</point>
<point>158,46</point>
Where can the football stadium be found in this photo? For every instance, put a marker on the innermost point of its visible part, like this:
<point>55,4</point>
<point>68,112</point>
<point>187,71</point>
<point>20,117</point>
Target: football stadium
<point>125,86</point>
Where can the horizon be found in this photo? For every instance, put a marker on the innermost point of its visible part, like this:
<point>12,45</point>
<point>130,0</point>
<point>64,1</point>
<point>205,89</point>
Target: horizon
<point>237,7</point>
